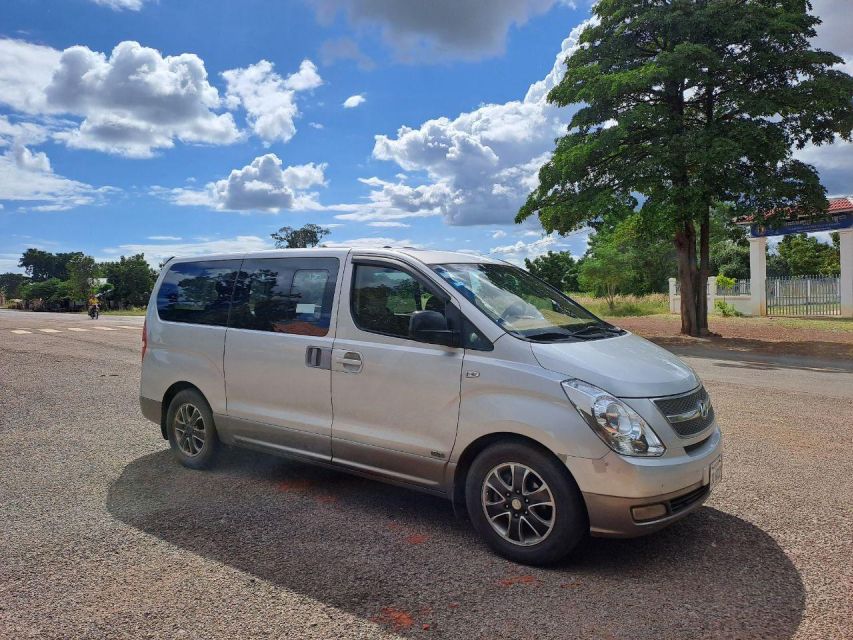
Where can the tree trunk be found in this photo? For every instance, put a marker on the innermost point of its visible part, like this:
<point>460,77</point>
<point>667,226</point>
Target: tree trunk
<point>688,277</point>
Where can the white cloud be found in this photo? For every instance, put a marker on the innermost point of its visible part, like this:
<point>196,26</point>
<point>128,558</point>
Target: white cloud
<point>389,201</point>
<point>315,125</point>
<point>21,132</point>
<point>165,238</point>
<point>498,234</point>
<point>439,29</point>
<point>482,164</point>
<point>517,252</point>
<point>26,176</point>
<point>834,32</point>
<point>119,5</point>
<point>155,253</point>
<point>354,101</point>
<point>388,223</point>
<point>261,185</point>
<point>132,102</point>
<point>269,99</point>
<point>25,73</point>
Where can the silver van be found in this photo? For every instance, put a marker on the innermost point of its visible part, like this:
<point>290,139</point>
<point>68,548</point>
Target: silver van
<point>454,374</point>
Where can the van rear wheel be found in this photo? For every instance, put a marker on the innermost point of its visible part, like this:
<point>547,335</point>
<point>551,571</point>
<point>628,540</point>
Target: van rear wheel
<point>524,504</point>
<point>192,434</point>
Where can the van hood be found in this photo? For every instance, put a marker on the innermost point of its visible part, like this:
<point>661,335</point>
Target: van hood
<point>626,366</point>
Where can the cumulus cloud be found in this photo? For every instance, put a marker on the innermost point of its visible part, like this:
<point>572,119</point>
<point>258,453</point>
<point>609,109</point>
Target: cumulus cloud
<point>269,99</point>
<point>25,72</point>
<point>26,176</point>
<point>157,252</point>
<point>481,164</point>
<point>439,29</point>
<point>518,251</point>
<point>120,5</point>
<point>132,101</point>
<point>354,101</point>
<point>395,201</point>
<point>261,185</point>
<point>136,100</point>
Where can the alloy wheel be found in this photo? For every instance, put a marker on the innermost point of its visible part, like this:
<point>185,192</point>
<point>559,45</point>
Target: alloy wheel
<point>518,504</point>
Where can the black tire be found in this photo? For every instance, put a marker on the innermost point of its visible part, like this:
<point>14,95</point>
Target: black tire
<point>568,520</point>
<point>190,450</point>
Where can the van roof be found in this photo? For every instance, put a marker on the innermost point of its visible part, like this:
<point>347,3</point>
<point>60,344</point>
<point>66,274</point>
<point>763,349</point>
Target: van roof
<point>426,256</point>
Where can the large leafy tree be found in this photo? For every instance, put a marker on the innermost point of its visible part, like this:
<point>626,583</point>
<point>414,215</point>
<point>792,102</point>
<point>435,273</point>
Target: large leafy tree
<point>82,274</point>
<point>10,284</point>
<point>43,265</point>
<point>686,104</point>
<point>557,268</point>
<point>309,235</point>
<point>131,279</point>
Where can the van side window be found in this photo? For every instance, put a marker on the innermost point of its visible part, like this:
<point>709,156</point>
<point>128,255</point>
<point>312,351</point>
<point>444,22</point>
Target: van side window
<point>197,292</point>
<point>384,298</point>
<point>285,295</point>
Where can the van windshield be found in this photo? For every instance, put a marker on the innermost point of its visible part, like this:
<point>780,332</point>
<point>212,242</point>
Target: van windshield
<point>523,305</point>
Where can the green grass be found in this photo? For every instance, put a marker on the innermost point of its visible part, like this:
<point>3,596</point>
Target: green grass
<point>625,305</point>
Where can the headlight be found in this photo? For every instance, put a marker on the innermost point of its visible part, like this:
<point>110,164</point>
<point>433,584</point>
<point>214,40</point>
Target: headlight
<point>615,422</point>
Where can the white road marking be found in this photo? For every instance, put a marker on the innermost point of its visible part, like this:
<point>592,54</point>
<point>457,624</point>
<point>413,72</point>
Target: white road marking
<point>104,328</point>
<point>49,330</point>
<point>19,331</point>
<point>76,329</point>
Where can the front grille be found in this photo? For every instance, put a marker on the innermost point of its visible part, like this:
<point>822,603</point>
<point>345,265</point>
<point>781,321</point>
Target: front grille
<point>684,412</point>
<point>682,502</point>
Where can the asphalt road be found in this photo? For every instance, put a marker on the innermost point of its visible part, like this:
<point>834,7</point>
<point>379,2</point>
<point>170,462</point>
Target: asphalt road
<point>103,535</point>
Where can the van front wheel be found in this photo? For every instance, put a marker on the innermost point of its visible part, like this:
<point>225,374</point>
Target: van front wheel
<point>524,504</point>
<point>192,435</point>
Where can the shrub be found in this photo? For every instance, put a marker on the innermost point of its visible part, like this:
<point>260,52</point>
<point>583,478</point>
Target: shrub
<point>727,310</point>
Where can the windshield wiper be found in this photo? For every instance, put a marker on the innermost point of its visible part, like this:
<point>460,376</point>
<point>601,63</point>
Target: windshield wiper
<point>549,336</point>
<point>599,328</point>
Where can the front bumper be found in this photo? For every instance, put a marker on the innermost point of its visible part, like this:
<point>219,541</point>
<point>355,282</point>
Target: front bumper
<point>611,517</point>
<point>676,484</point>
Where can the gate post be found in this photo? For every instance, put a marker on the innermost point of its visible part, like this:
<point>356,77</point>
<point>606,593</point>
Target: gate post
<point>846,281</point>
<point>758,276</point>
<point>673,308</point>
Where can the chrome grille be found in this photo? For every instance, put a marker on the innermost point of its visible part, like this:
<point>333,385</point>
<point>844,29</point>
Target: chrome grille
<point>685,413</point>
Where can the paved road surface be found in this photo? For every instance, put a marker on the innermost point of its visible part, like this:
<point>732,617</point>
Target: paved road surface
<point>104,536</point>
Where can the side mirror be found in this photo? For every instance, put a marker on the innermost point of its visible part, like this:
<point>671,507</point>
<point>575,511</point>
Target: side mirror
<point>431,326</point>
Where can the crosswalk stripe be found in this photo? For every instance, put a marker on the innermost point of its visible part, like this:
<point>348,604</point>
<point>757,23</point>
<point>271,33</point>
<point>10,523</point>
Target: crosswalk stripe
<point>76,329</point>
<point>49,330</point>
<point>19,331</point>
<point>104,328</point>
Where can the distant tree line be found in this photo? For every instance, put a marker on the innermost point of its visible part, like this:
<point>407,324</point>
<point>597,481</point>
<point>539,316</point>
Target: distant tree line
<point>628,256</point>
<point>66,281</point>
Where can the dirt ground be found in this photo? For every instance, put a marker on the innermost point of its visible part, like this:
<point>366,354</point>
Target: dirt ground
<point>768,336</point>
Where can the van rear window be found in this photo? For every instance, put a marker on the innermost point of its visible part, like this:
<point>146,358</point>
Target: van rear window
<point>285,295</point>
<point>198,292</point>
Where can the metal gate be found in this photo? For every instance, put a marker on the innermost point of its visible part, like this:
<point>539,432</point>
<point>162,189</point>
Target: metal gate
<point>803,296</point>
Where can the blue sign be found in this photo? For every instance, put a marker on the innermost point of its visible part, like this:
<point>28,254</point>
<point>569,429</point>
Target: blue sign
<point>831,223</point>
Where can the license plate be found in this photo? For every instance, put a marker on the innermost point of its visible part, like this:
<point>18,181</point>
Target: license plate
<point>715,473</point>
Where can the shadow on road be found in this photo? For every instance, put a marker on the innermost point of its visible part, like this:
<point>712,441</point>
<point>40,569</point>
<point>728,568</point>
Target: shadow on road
<point>400,558</point>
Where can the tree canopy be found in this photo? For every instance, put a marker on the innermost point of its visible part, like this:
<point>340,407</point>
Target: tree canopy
<point>687,104</point>
<point>557,268</point>
<point>309,235</point>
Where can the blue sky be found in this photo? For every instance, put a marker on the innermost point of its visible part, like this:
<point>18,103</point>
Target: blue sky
<point>194,126</point>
